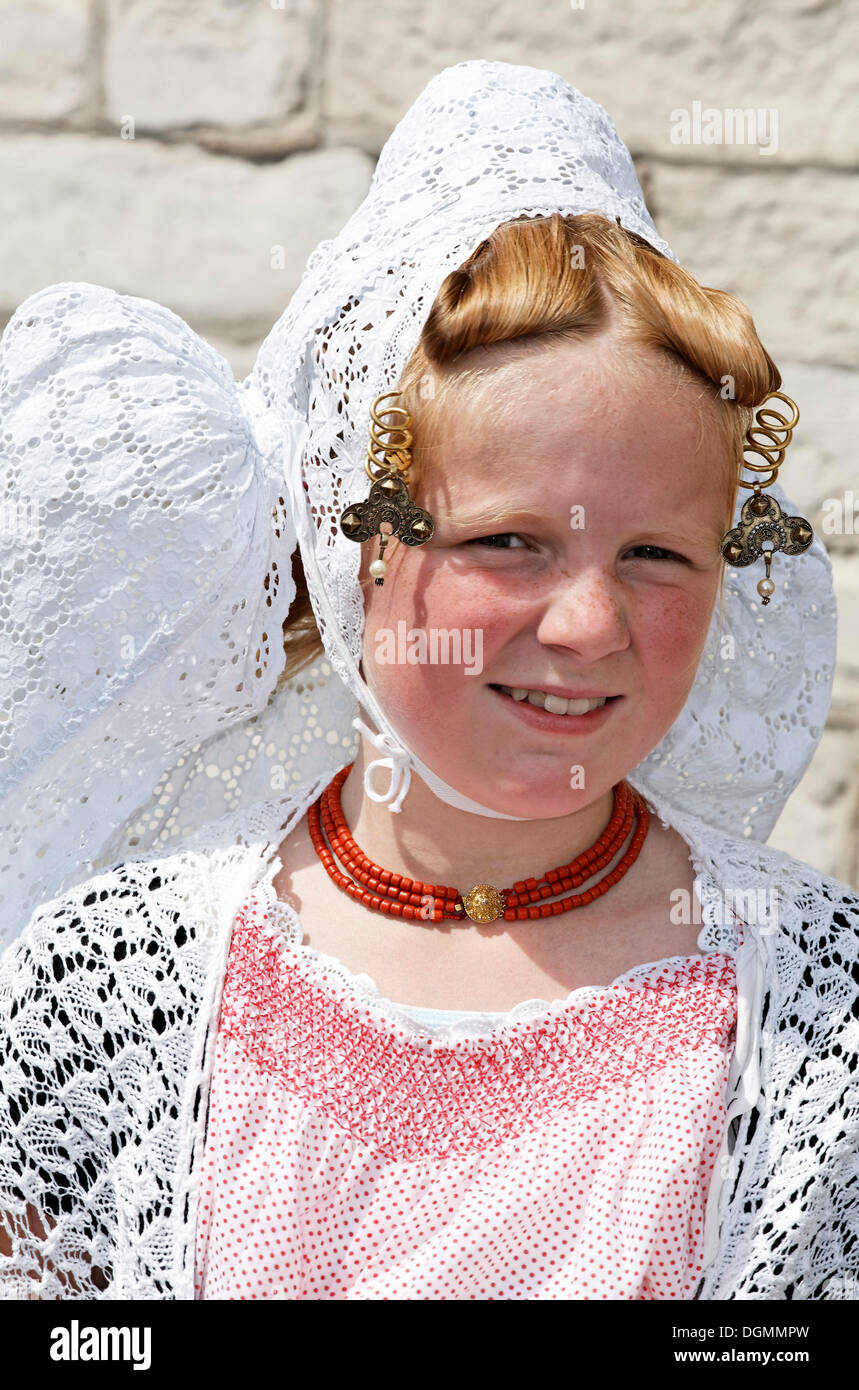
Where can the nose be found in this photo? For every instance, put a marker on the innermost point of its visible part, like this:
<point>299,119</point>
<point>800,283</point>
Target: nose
<point>585,612</point>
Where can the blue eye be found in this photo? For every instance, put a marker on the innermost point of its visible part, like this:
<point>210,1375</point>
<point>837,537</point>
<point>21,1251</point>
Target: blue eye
<point>499,536</point>
<point>496,542</point>
<point>660,553</point>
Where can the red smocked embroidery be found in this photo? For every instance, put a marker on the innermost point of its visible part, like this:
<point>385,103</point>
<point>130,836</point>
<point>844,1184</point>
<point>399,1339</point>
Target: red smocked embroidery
<point>321,1099</point>
<point>410,1096</point>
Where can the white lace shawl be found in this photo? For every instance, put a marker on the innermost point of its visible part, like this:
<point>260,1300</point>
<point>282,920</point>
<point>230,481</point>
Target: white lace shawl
<point>109,1004</point>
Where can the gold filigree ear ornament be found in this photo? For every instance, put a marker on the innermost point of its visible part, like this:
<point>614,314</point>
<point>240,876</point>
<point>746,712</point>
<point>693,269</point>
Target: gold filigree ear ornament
<point>389,502</point>
<point>763,526</point>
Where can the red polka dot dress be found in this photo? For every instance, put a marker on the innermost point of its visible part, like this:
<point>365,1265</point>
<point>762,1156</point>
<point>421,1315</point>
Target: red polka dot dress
<point>357,1149</point>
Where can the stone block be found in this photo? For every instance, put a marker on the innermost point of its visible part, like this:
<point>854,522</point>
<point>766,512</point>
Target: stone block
<point>44,74</point>
<point>818,824</point>
<point>230,63</point>
<point>218,240</point>
<point>798,59</point>
<point>784,241</point>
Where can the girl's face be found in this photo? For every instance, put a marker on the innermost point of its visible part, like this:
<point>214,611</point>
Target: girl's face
<point>576,551</point>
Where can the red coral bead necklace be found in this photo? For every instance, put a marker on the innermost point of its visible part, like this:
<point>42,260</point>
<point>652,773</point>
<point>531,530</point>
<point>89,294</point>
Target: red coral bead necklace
<point>381,890</point>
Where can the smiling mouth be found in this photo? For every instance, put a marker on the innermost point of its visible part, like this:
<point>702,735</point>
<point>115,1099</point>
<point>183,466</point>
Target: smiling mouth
<point>554,704</point>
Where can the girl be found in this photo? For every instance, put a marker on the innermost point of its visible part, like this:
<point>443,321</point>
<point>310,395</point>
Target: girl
<point>562,1027</point>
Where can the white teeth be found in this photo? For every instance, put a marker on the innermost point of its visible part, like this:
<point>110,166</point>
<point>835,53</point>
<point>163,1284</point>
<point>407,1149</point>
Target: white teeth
<point>555,704</point>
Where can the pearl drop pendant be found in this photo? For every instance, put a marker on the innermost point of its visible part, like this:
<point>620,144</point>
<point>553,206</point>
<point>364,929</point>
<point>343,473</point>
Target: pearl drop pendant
<point>766,587</point>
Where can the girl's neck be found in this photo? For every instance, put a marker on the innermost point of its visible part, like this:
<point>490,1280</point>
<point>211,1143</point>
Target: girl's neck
<point>439,844</point>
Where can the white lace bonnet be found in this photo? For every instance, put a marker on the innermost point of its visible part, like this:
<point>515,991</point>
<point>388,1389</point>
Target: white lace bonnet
<point>152,506</point>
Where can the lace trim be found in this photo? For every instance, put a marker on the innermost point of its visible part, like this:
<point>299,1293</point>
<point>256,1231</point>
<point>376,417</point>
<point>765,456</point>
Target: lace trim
<point>720,932</point>
<point>333,982</point>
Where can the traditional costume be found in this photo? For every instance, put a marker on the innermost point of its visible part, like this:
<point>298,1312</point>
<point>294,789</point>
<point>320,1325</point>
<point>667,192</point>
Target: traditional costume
<point>155,997</point>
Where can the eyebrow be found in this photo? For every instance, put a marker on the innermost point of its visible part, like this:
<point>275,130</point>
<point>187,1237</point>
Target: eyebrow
<point>489,517</point>
<point>691,536</point>
<point>515,516</point>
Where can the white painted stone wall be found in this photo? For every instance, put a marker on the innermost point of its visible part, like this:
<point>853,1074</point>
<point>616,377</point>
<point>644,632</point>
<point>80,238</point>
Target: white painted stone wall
<point>195,155</point>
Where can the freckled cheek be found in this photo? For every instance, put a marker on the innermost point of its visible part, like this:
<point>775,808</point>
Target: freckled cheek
<point>440,602</point>
<point>478,606</point>
<point>427,595</point>
<point>670,634</point>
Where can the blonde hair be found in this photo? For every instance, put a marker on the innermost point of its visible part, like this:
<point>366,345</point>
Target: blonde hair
<point>538,281</point>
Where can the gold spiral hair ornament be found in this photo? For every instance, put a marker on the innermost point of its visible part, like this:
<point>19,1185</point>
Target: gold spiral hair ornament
<point>763,526</point>
<point>778,430</point>
<point>382,457</point>
<point>389,502</point>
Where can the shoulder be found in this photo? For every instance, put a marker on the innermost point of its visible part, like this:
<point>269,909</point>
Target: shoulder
<point>811,937</point>
<point>147,916</point>
<point>114,979</point>
<point>814,906</point>
<point>807,920</point>
<point>810,898</point>
<point>813,919</point>
<point>172,901</point>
